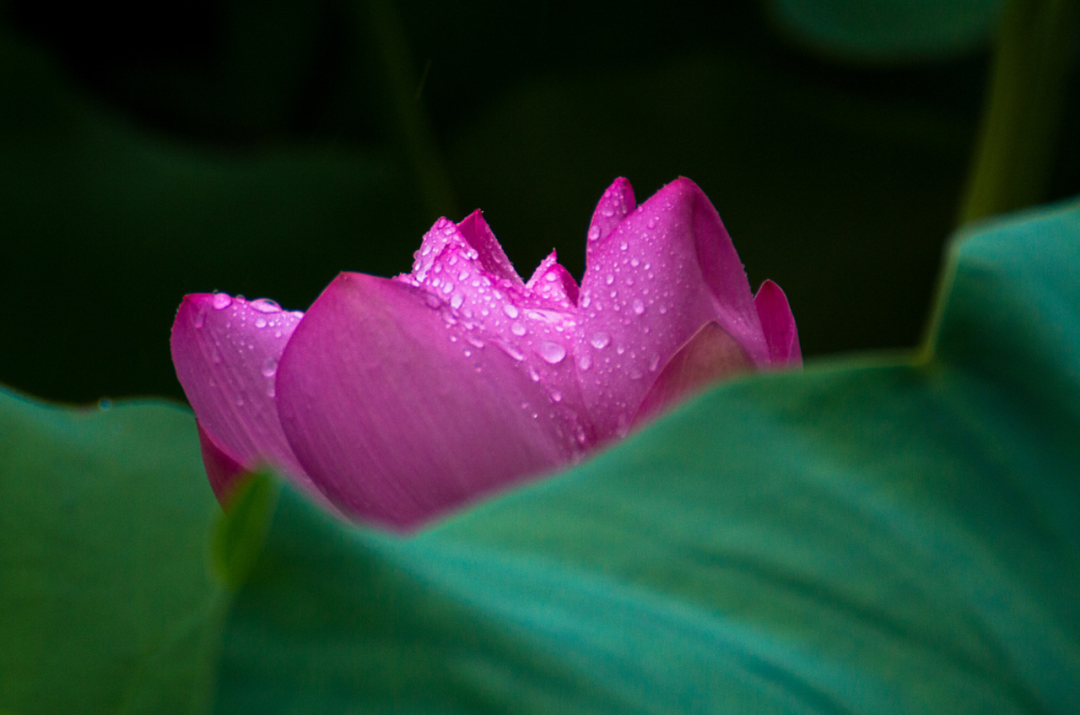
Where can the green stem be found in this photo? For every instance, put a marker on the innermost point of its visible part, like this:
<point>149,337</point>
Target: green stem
<point>408,110</point>
<point>1022,113</point>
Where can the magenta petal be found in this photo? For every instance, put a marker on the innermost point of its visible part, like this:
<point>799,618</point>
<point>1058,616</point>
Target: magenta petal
<point>222,468</point>
<point>614,206</point>
<point>554,284</point>
<point>709,356</point>
<point>490,254</point>
<point>226,352</point>
<point>668,269</point>
<point>399,412</point>
<point>778,325</point>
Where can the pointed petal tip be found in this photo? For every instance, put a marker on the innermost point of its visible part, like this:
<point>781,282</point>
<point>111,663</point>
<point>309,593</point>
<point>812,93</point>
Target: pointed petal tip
<point>778,325</point>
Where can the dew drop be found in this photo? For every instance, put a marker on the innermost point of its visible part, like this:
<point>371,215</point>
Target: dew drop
<point>608,212</point>
<point>594,233</point>
<point>260,322</point>
<point>456,300</point>
<point>474,341</point>
<point>600,341</point>
<point>635,262</point>
<point>463,275</point>
<point>654,363</point>
<point>623,246</point>
<point>447,287</point>
<point>432,301</point>
<point>620,349</point>
<point>639,307</point>
<point>556,396</point>
<point>635,375</point>
<point>517,329</point>
<point>551,277</point>
<point>511,311</point>
<point>584,362</point>
<point>585,300</point>
<point>512,352</point>
<point>533,374</point>
<point>199,319</point>
<point>553,353</point>
<point>265,305</point>
<point>609,279</point>
<point>269,367</point>
<point>277,333</point>
<point>221,301</point>
<point>270,391</point>
<point>467,352</point>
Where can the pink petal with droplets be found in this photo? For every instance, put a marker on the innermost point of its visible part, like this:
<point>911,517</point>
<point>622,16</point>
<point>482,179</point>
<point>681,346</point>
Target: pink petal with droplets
<point>614,206</point>
<point>226,352</point>
<point>399,415</point>
<point>778,325</point>
<point>650,285</point>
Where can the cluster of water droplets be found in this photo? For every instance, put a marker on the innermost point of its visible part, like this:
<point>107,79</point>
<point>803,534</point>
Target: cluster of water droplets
<point>534,324</point>
<point>245,338</point>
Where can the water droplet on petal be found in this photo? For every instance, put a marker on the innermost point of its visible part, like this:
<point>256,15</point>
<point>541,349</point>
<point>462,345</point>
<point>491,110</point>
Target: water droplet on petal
<point>265,305</point>
<point>474,341</point>
<point>432,301</point>
<point>221,301</point>
<point>594,233</point>
<point>623,246</point>
<point>654,363</point>
<point>511,311</point>
<point>260,322</point>
<point>600,340</point>
<point>584,362</point>
<point>553,353</point>
<point>556,396</point>
<point>517,329</point>
<point>456,300</point>
<point>448,287</point>
<point>199,319</point>
<point>512,352</point>
<point>609,279</point>
<point>269,367</point>
<point>639,307</point>
<point>270,391</point>
<point>533,374</point>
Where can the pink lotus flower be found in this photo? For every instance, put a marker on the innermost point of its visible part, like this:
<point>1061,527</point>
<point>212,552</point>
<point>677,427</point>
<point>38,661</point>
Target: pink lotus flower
<point>397,399</point>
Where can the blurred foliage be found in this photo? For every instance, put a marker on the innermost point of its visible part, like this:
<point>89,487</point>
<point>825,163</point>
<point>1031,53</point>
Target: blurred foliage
<point>885,534</point>
<point>259,148</point>
<point>889,30</point>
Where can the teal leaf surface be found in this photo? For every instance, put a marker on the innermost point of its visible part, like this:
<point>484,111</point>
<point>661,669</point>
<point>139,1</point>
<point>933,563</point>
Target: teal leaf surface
<point>889,30</point>
<point>106,602</point>
<point>880,534</point>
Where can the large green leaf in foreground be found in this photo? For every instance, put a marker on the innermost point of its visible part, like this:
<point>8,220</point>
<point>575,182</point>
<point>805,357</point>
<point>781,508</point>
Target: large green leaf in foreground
<point>871,535</point>
<point>106,605</point>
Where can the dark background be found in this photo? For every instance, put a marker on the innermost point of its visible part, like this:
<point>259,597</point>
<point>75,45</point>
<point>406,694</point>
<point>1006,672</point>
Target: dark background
<point>261,147</point>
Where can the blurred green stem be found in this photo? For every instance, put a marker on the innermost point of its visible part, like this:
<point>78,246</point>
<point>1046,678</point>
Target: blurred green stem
<point>1022,114</point>
<point>408,110</point>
